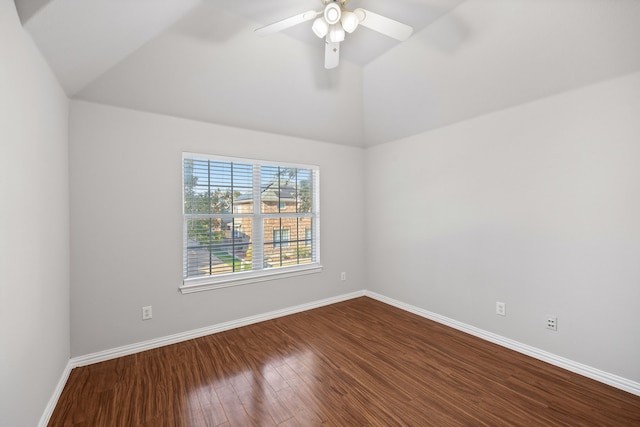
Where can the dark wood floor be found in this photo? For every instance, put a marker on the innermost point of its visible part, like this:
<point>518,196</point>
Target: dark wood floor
<point>356,363</point>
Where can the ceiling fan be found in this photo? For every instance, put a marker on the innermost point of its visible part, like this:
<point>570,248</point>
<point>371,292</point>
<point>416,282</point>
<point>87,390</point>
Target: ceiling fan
<point>334,20</point>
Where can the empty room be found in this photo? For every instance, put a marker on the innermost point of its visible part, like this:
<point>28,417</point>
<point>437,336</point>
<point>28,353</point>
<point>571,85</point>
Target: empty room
<point>319,212</point>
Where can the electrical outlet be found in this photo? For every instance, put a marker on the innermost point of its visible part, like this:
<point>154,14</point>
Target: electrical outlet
<point>343,276</point>
<point>501,308</point>
<point>147,312</point>
<point>552,323</point>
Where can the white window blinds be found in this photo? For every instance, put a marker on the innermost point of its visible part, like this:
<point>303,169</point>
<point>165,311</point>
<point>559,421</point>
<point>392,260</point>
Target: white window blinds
<point>245,220</point>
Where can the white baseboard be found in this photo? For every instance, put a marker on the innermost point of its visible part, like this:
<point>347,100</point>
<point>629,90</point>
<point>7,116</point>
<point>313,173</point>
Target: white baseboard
<point>101,356</point>
<point>53,401</point>
<point>126,350</point>
<point>570,365</point>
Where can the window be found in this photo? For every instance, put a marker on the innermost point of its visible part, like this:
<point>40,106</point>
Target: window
<point>307,237</point>
<point>281,238</point>
<point>247,221</point>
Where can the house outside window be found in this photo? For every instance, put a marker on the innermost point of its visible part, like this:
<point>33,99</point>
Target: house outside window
<point>281,238</point>
<point>307,236</point>
<point>246,221</point>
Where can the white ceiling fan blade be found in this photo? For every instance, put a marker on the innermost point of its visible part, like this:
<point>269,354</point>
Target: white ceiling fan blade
<point>384,25</point>
<point>287,23</point>
<point>331,54</point>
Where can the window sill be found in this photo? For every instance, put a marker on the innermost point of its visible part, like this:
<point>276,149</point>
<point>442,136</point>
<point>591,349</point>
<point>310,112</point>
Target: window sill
<point>210,283</point>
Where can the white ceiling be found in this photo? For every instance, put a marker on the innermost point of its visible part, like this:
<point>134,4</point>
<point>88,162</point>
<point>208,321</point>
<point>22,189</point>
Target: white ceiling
<point>199,59</point>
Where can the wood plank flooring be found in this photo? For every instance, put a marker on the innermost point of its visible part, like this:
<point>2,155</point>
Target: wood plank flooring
<point>355,363</point>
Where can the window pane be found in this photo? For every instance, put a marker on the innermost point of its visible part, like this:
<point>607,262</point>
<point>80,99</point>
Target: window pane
<point>213,187</point>
<point>217,246</point>
<point>305,191</point>
<point>278,188</point>
<point>242,188</point>
<point>307,236</point>
<point>196,186</point>
<point>272,228</point>
<point>286,242</point>
<point>281,237</point>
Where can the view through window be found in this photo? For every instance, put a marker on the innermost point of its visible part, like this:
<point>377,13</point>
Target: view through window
<point>243,217</point>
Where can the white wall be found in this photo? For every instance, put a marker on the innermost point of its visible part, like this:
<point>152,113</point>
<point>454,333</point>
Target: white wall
<point>537,206</point>
<point>126,225</point>
<point>34,227</point>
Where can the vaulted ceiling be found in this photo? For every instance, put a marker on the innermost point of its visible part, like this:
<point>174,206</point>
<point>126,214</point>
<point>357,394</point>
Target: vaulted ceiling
<point>199,59</point>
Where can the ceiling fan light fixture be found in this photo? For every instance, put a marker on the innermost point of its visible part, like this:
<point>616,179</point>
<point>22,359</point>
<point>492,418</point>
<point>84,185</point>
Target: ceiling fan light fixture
<point>349,21</point>
<point>336,33</point>
<point>320,27</point>
<point>332,13</point>
<point>332,23</point>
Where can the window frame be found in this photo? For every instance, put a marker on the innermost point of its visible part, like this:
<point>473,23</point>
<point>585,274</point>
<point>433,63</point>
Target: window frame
<point>259,233</point>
